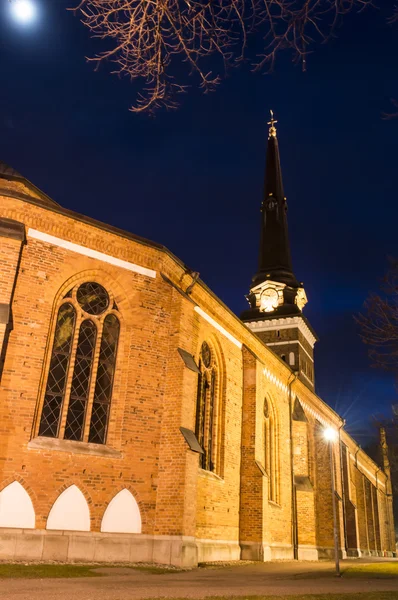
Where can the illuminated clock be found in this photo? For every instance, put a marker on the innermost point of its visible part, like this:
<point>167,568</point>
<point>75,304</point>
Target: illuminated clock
<point>269,299</point>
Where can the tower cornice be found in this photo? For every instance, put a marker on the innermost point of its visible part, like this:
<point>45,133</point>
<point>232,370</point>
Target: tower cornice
<point>284,323</point>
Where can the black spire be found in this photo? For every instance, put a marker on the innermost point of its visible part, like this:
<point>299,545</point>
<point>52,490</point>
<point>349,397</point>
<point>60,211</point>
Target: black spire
<point>275,290</point>
<point>275,262</point>
<point>276,298</point>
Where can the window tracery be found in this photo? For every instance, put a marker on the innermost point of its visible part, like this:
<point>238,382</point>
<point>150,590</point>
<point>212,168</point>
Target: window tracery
<point>207,408</point>
<point>80,375</point>
<point>270,451</point>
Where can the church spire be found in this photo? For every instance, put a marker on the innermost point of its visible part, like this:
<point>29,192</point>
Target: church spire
<point>276,298</point>
<point>275,262</point>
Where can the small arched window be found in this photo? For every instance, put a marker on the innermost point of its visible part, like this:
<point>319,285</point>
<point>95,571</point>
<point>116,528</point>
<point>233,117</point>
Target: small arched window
<point>207,418</point>
<point>270,451</point>
<point>291,359</point>
<point>80,376</point>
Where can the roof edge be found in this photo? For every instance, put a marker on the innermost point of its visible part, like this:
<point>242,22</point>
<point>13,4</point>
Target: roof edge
<point>20,179</point>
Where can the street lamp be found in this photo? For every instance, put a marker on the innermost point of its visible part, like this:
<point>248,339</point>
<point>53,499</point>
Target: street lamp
<point>330,434</point>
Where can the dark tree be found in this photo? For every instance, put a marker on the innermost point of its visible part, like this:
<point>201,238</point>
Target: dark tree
<point>379,322</point>
<point>379,331</point>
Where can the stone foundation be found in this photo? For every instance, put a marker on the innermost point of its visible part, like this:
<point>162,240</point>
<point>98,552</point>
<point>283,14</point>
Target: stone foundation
<point>354,553</point>
<point>255,551</point>
<point>265,552</point>
<point>217,550</point>
<point>79,546</point>
<point>281,552</point>
<point>307,553</point>
<point>328,553</point>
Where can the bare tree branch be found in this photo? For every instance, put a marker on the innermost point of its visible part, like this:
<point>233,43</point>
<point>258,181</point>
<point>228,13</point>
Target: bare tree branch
<point>149,39</point>
<point>379,322</point>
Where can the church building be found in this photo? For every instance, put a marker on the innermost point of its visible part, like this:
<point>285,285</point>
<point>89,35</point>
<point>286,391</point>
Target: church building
<point>142,421</point>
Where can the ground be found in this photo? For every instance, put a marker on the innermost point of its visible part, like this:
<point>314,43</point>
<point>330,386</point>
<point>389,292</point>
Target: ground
<point>361,580</point>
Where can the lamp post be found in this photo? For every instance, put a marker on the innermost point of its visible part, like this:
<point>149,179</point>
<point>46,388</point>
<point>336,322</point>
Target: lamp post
<point>330,436</point>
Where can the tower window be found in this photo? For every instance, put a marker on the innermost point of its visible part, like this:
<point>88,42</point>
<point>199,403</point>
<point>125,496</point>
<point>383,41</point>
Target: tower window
<point>283,357</point>
<point>79,388</point>
<point>291,359</point>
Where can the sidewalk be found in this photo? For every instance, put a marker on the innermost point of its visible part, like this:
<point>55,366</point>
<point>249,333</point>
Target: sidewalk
<point>122,583</point>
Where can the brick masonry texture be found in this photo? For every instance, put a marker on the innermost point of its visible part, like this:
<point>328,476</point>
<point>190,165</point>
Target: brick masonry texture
<point>246,507</point>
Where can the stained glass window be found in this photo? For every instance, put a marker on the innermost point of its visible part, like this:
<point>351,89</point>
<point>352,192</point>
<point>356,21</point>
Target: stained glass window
<point>57,374</point>
<point>210,449</point>
<point>81,381</point>
<point>77,385</point>
<point>93,298</point>
<point>206,409</point>
<point>270,450</point>
<point>104,381</point>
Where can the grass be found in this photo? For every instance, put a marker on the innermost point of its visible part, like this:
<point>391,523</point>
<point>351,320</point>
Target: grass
<point>155,570</point>
<point>363,596</point>
<point>360,596</point>
<point>372,570</point>
<point>43,571</point>
<point>18,571</point>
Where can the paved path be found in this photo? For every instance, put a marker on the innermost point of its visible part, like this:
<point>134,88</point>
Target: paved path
<point>282,578</point>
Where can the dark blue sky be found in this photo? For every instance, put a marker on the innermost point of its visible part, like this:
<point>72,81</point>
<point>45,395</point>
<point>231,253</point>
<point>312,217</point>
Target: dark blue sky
<point>193,179</point>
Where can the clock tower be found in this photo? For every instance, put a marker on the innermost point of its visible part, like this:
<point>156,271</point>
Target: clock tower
<point>276,297</point>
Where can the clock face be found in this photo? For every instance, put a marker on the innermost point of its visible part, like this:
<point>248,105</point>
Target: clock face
<point>269,300</point>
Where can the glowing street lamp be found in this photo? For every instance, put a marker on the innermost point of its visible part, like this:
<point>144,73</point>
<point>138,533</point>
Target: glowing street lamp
<point>23,11</point>
<point>330,434</point>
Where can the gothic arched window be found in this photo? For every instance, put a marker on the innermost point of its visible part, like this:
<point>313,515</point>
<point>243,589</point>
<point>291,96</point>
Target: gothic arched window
<point>80,376</point>
<point>207,418</point>
<point>270,451</point>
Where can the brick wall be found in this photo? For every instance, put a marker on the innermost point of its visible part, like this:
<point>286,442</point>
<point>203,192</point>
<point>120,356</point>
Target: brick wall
<point>245,500</point>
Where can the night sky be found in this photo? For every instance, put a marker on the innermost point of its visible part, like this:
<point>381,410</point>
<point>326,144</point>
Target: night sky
<point>193,179</point>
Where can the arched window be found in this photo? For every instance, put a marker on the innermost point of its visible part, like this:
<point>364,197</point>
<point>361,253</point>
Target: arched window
<point>80,376</point>
<point>207,418</point>
<point>270,451</point>
<point>291,359</point>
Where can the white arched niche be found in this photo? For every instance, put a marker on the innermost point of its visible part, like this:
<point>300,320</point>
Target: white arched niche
<point>70,511</point>
<point>16,508</point>
<point>122,514</point>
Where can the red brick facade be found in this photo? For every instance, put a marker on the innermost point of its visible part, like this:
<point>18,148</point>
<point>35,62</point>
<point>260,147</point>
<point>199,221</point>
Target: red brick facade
<point>268,495</point>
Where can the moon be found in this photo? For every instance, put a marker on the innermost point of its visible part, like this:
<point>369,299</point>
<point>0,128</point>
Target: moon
<point>23,11</point>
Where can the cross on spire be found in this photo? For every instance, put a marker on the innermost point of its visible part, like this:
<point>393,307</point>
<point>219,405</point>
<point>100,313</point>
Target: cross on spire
<point>272,129</point>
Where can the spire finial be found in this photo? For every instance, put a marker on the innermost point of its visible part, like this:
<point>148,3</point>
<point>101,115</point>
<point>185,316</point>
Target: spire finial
<point>272,129</point>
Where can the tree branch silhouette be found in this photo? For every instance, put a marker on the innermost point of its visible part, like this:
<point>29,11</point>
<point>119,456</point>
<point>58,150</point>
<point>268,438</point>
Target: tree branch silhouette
<point>150,40</point>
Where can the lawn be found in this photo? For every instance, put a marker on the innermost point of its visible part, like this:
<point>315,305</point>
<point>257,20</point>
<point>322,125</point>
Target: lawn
<point>43,571</point>
<point>362,596</point>
<point>365,596</point>
<point>156,570</point>
<point>372,570</point>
